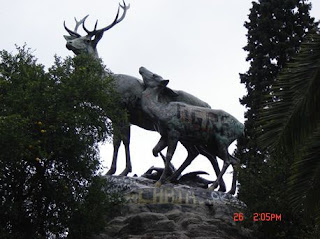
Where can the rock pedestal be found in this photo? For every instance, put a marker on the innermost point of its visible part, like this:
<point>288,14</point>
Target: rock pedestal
<point>174,212</point>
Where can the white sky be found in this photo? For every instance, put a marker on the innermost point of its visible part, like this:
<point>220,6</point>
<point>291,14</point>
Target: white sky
<point>197,45</point>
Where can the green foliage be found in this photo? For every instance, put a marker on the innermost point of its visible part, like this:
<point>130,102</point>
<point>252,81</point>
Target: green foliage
<point>292,124</point>
<point>276,29</point>
<point>97,207</point>
<point>50,124</point>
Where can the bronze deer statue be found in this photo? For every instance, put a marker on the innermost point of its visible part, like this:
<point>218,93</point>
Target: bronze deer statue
<point>205,128</point>
<point>130,90</point>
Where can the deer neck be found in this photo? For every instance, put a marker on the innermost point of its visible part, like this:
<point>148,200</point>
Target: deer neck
<point>94,53</point>
<point>151,105</point>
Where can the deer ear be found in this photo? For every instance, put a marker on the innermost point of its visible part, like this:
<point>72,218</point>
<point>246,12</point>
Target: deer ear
<point>164,82</point>
<point>69,38</point>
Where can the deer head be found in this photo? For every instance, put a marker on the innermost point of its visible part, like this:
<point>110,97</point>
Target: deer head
<point>153,80</point>
<point>88,44</point>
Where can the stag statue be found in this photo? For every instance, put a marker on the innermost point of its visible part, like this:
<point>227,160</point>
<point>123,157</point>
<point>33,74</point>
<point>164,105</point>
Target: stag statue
<point>212,130</point>
<point>130,90</point>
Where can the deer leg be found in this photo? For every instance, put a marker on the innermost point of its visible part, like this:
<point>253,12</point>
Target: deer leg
<point>116,145</point>
<point>213,160</point>
<point>223,170</point>
<point>172,145</point>
<point>234,180</point>
<point>224,155</point>
<point>222,185</point>
<point>235,162</point>
<point>192,154</point>
<point>126,141</point>
<point>171,167</point>
<point>159,146</point>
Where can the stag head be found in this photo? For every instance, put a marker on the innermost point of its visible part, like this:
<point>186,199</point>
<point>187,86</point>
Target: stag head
<point>88,44</point>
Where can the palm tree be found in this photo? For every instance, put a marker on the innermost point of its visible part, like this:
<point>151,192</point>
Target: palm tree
<point>290,125</point>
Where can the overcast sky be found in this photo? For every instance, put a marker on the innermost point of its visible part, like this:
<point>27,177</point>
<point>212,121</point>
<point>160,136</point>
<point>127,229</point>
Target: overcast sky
<point>197,45</point>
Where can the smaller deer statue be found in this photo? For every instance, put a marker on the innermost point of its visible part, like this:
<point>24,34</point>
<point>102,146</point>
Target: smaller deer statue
<point>209,129</point>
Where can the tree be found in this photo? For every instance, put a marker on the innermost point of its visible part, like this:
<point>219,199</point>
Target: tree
<point>292,125</point>
<point>276,29</point>
<point>50,124</point>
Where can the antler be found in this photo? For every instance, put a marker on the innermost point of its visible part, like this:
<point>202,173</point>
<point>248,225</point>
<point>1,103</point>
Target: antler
<point>96,34</point>
<point>78,23</point>
<point>115,21</point>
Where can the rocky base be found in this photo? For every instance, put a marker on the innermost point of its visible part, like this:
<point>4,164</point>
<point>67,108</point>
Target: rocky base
<point>173,212</point>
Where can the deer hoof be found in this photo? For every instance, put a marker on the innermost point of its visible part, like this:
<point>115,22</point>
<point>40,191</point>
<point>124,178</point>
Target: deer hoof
<point>125,172</point>
<point>213,186</point>
<point>111,171</point>
<point>222,189</point>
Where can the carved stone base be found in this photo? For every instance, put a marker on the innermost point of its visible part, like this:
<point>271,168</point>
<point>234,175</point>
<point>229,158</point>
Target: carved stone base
<point>174,211</point>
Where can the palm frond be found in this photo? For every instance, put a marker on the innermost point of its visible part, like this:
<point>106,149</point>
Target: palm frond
<point>295,111</point>
<point>304,183</point>
<point>290,124</point>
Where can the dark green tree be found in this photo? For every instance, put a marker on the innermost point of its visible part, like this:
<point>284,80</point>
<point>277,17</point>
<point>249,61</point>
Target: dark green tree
<point>276,29</point>
<point>50,124</point>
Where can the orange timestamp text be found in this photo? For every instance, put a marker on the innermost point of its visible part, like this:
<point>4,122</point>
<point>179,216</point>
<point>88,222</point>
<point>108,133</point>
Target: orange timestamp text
<point>258,217</point>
